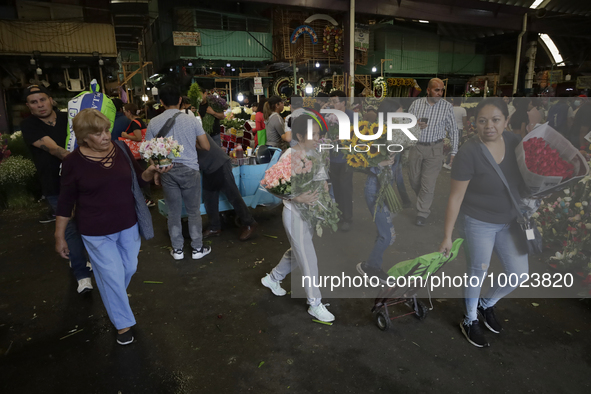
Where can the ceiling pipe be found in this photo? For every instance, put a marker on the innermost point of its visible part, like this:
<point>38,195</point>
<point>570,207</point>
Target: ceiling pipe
<point>518,55</point>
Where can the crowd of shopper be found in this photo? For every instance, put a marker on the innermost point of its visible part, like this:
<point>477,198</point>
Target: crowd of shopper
<point>100,192</point>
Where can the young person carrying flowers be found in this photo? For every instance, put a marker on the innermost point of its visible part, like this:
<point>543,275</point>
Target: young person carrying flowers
<point>297,220</point>
<point>382,172</point>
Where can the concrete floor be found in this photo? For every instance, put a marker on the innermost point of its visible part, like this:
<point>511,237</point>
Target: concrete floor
<point>211,327</point>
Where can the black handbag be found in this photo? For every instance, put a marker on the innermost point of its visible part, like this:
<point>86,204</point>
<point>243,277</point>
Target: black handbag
<point>531,235</point>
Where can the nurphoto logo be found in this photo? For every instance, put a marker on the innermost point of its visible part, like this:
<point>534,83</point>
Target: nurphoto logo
<point>395,121</point>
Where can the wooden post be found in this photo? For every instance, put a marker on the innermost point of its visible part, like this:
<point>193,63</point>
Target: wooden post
<point>140,60</point>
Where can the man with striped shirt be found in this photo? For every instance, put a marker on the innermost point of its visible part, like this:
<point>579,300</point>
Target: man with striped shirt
<point>436,119</point>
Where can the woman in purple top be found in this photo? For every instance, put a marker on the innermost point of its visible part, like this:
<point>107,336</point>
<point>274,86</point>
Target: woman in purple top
<point>97,180</point>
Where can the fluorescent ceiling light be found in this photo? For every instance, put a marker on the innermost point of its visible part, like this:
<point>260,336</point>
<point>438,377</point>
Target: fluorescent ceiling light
<point>553,49</point>
<point>422,21</point>
<point>536,4</point>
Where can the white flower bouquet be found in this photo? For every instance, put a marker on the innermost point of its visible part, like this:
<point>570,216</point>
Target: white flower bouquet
<point>161,151</point>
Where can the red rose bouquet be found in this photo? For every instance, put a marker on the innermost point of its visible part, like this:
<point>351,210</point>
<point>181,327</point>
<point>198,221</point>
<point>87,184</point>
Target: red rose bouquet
<point>541,159</point>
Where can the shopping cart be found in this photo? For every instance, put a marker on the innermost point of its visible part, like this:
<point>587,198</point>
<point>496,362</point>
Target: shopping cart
<point>417,272</point>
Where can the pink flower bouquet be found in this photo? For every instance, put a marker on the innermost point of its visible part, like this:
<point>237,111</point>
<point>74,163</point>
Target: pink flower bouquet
<point>299,172</point>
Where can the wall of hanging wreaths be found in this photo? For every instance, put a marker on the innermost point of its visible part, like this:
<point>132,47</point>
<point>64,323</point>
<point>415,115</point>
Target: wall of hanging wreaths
<point>283,86</point>
<point>335,34</point>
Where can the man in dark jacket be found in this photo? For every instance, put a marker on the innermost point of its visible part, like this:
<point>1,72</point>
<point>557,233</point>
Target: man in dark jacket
<point>218,177</point>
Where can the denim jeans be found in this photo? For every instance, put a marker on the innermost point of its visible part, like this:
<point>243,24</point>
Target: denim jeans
<point>480,240</point>
<point>183,184</point>
<point>211,198</point>
<point>384,224</point>
<point>114,258</point>
<point>77,252</point>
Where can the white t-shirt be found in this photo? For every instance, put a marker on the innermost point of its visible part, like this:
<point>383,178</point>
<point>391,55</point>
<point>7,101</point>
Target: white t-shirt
<point>459,113</point>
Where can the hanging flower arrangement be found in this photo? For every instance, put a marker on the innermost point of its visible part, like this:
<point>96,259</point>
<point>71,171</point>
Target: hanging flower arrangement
<point>335,32</point>
<point>380,88</point>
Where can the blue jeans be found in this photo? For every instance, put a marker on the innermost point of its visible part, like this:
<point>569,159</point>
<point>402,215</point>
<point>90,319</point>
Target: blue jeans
<point>77,253</point>
<point>384,224</point>
<point>183,184</point>
<point>480,240</point>
<point>114,258</point>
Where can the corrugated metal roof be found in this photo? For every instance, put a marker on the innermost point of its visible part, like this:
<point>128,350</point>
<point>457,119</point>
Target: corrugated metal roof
<point>57,38</point>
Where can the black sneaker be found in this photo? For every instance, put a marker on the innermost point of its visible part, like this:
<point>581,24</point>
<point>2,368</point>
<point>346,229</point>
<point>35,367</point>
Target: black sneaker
<point>46,218</point>
<point>473,334</point>
<point>364,268</point>
<point>126,338</point>
<point>421,221</point>
<point>490,320</point>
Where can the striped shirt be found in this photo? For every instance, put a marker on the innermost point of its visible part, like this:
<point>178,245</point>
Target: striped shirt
<point>440,119</point>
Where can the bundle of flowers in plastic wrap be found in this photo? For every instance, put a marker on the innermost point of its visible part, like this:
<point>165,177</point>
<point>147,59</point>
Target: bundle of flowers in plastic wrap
<point>216,103</point>
<point>161,151</point>
<point>541,159</point>
<point>299,172</point>
<point>362,155</point>
<point>548,162</point>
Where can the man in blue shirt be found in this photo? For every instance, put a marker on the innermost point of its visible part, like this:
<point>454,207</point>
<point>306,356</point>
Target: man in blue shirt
<point>121,121</point>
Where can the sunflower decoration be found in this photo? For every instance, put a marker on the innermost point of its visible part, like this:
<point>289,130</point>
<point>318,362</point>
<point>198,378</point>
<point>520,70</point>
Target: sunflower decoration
<point>355,161</point>
<point>375,128</point>
<point>362,129</point>
<point>373,152</point>
<point>362,125</point>
<point>363,159</point>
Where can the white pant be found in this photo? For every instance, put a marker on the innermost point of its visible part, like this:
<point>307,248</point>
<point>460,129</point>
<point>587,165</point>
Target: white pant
<point>301,253</point>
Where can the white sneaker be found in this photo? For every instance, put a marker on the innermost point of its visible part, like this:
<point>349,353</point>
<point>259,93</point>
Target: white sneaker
<point>84,285</point>
<point>177,254</point>
<point>447,166</point>
<point>198,254</point>
<point>321,313</point>
<point>275,286</point>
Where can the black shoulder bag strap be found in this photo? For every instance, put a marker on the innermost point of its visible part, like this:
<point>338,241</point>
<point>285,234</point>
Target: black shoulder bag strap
<point>523,222</point>
<point>167,126</point>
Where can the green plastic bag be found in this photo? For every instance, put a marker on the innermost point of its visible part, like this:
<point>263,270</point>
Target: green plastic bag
<point>262,136</point>
<point>426,265</point>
